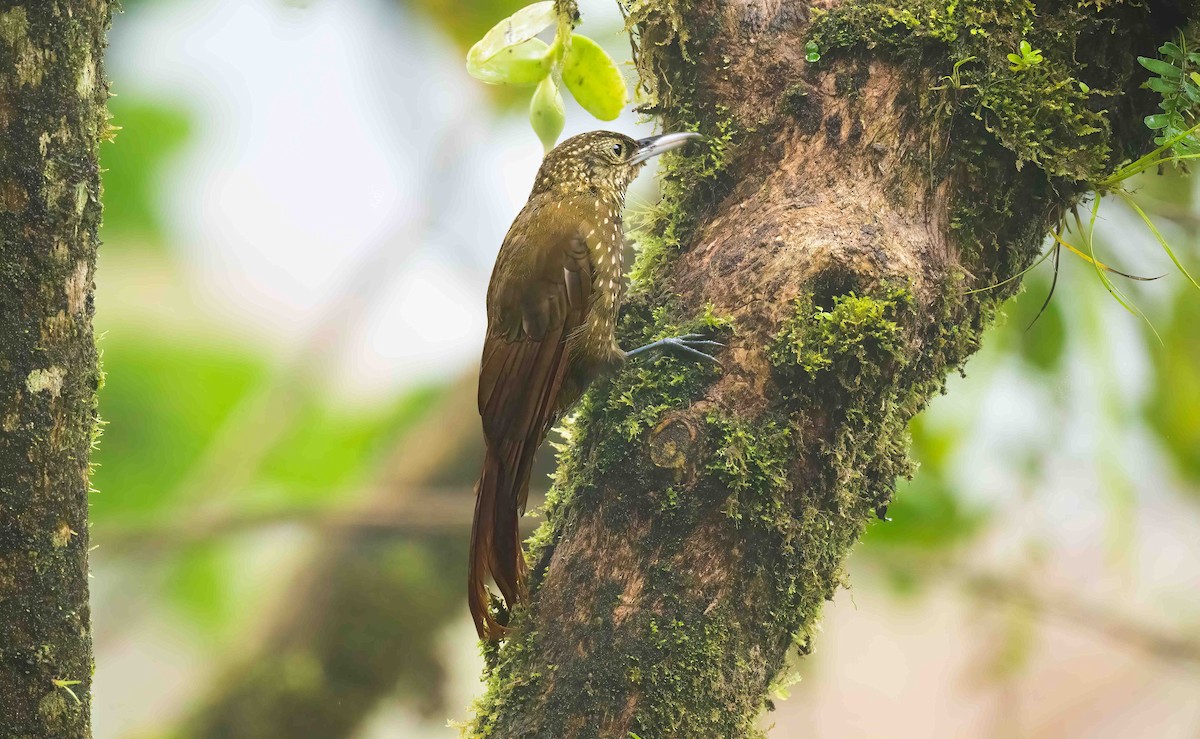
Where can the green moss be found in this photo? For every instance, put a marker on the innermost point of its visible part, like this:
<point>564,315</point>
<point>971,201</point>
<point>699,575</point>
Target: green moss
<point>14,26</point>
<point>792,540</point>
<point>692,183</point>
<point>693,656</point>
<point>752,461</point>
<point>865,366</point>
<point>1042,113</point>
<point>848,340</point>
<point>631,404</point>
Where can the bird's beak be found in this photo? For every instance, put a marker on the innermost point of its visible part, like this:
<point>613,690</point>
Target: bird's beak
<point>656,145</point>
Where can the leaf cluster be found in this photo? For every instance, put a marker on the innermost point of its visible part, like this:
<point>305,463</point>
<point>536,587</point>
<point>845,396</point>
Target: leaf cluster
<point>512,54</point>
<point>1177,80</point>
<point>1026,57</point>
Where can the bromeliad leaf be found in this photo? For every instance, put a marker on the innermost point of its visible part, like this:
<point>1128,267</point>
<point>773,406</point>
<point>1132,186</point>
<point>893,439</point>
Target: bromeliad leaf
<point>594,79</point>
<point>512,31</point>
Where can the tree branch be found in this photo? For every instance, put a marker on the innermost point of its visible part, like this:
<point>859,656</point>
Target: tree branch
<point>839,219</point>
<point>398,511</point>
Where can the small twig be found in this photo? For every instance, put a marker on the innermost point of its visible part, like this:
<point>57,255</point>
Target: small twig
<point>1070,608</point>
<point>1063,606</point>
<point>412,511</point>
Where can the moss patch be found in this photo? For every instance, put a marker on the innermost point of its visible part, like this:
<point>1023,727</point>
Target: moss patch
<point>1049,113</point>
<point>846,341</point>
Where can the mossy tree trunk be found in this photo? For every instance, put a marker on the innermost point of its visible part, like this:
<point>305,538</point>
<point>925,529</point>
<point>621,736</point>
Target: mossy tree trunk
<point>843,212</point>
<point>53,100</point>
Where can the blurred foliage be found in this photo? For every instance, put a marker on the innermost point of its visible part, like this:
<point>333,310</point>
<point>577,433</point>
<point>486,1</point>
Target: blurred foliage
<point>927,516</point>
<point>465,22</point>
<point>164,400</point>
<point>199,587</point>
<point>1040,341</point>
<point>166,397</point>
<point>151,132</point>
<point>324,672</point>
<point>1173,408</point>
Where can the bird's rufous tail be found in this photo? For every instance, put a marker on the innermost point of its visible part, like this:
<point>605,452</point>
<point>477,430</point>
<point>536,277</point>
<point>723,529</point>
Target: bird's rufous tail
<point>496,543</point>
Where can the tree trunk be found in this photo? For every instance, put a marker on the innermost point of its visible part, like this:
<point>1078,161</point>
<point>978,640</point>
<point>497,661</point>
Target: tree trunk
<point>53,99</point>
<point>843,211</point>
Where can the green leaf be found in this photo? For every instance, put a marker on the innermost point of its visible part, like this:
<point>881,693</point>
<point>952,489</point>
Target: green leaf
<point>525,64</point>
<point>1025,48</point>
<point>594,79</point>
<point>512,31</point>
<point>1171,50</point>
<point>1162,86</point>
<point>1160,67</point>
<point>1157,121</point>
<point>1188,146</point>
<point>1158,235</point>
<point>546,113</point>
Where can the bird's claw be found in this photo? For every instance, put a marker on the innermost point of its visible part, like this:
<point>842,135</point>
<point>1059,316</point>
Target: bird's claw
<point>688,344</point>
<point>691,345</point>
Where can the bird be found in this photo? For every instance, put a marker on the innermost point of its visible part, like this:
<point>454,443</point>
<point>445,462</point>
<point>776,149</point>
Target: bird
<point>552,305</point>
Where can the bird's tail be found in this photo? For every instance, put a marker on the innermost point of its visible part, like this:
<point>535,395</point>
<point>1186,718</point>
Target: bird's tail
<point>496,543</point>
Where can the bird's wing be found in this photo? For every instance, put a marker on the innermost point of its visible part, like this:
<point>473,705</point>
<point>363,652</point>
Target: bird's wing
<point>540,294</point>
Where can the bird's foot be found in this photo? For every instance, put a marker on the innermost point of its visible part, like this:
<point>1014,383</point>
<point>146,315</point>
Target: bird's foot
<point>688,345</point>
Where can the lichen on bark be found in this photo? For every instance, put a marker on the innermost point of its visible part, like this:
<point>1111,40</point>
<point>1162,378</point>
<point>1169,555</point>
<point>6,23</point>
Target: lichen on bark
<point>53,98</point>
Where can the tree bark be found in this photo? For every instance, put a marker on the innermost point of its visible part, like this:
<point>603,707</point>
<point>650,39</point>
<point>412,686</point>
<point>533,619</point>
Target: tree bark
<point>841,216</point>
<point>53,98</point>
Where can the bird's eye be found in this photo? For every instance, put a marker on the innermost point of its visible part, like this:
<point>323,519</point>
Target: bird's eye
<point>618,149</point>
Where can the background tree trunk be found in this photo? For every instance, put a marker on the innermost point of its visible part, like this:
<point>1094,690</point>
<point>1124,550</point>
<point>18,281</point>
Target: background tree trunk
<point>53,97</point>
<point>843,212</point>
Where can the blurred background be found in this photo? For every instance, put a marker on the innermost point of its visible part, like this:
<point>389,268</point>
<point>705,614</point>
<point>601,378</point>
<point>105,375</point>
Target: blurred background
<point>302,209</point>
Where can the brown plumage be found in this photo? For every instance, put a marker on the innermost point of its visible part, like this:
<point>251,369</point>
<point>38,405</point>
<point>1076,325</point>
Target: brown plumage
<point>552,305</point>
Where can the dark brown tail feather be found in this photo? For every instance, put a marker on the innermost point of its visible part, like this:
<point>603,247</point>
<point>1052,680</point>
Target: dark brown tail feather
<point>495,545</point>
<point>503,488</point>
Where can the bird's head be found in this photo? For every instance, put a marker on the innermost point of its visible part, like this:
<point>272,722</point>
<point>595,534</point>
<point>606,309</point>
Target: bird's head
<point>602,162</point>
